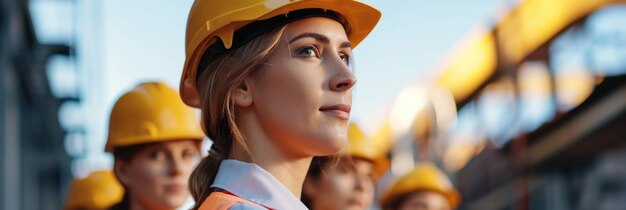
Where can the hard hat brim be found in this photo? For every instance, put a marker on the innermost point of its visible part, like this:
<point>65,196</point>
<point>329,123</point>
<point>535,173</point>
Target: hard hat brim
<point>150,139</point>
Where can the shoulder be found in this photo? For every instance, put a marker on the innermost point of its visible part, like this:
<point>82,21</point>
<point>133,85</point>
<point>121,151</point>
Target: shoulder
<point>246,206</point>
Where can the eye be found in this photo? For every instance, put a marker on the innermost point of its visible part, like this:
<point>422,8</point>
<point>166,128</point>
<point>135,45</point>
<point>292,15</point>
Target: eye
<point>189,154</point>
<point>345,58</point>
<point>343,170</point>
<point>308,52</point>
<point>157,155</point>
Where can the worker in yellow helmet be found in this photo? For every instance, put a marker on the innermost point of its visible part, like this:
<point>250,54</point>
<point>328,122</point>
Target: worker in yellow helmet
<point>346,181</point>
<point>274,81</point>
<point>424,188</point>
<point>155,139</point>
<point>98,191</point>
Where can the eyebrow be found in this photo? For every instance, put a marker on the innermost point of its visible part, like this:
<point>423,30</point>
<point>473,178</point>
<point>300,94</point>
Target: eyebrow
<point>319,37</point>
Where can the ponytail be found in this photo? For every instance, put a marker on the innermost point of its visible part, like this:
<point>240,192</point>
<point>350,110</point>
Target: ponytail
<point>220,78</point>
<point>204,174</point>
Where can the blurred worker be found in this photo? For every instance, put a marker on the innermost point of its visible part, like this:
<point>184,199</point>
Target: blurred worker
<point>424,188</point>
<point>155,139</point>
<point>98,191</point>
<point>347,181</point>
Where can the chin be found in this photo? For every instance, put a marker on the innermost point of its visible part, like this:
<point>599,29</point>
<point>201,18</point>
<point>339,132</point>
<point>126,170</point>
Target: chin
<point>330,146</point>
<point>355,207</point>
<point>174,202</point>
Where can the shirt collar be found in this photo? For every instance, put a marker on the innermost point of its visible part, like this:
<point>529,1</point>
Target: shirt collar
<point>251,182</point>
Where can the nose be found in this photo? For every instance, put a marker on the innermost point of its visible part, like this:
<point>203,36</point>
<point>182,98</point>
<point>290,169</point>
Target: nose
<point>359,184</point>
<point>364,183</point>
<point>342,79</point>
<point>175,166</point>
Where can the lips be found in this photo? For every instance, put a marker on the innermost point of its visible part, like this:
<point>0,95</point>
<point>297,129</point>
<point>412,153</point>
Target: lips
<point>357,202</point>
<point>341,111</point>
<point>175,188</point>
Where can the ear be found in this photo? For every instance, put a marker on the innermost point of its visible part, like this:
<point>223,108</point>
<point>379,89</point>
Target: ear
<point>189,92</point>
<point>120,168</point>
<point>242,94</point>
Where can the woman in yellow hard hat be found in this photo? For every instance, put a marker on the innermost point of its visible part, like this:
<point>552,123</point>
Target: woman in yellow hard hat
<point>274,80</point>
<point>345,182</point>
<point>424,188</point>
<point>155,139</point>
<point>98,191</point>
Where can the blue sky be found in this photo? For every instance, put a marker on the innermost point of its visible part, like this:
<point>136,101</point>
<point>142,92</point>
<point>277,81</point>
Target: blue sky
<point>121,43</point>
<point>148,43</point>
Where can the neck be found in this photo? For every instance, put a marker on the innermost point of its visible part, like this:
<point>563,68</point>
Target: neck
<point>290,172</point>
<point>289,169</point>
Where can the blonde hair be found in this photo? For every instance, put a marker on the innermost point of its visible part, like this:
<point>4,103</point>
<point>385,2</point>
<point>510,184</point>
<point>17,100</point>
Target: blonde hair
<point>216,85</point>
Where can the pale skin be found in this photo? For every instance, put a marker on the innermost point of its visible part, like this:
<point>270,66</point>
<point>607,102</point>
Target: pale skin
<point>156,176</point>
<point>297,105</point>
<point>425,200</point>
<point>345,186</point>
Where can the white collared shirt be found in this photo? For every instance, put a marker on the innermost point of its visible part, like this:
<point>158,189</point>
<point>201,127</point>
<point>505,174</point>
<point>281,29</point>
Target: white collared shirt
<point>251,182</point>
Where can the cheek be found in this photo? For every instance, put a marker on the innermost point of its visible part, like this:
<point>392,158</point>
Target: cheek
<point>190,165</point>
<point>288,99</point>
<point>145,175</point>
<point>290,91</point>
<point>342,183</point>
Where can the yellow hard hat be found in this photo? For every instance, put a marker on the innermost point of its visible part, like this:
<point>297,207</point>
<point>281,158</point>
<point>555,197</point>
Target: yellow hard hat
<point>210,20</point>
<point>100,190</point>
<point>383,137</point>
<point>359,145</point>
<point>152,112</point>
<point>424,177</point>
<point>362,146</point>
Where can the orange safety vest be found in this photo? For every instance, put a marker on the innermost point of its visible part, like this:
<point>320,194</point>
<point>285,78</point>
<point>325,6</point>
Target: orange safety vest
<point>222,201</point>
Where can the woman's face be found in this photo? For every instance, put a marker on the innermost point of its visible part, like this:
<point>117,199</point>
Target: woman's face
<point>303,94</point>
<point>425,200</point>
<point>156,176</point>
<point>346,186</point>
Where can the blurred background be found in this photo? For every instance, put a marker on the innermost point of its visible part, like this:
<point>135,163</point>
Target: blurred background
<point>522,103</point>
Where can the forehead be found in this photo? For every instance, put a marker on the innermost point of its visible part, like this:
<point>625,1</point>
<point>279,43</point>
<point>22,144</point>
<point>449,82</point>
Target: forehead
<point>363,164</point>
<point>320,25</point>
<point>351,163</point>
<point>175,144</point>
<point>431,198</point>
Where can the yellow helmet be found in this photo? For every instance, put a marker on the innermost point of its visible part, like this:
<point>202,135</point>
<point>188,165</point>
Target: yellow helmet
<point>359,145</point>
<point>152,112</point>
<point>362,146</point>
<point>424,177</point>
<point>100,190</point>
<point>210,20</point>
